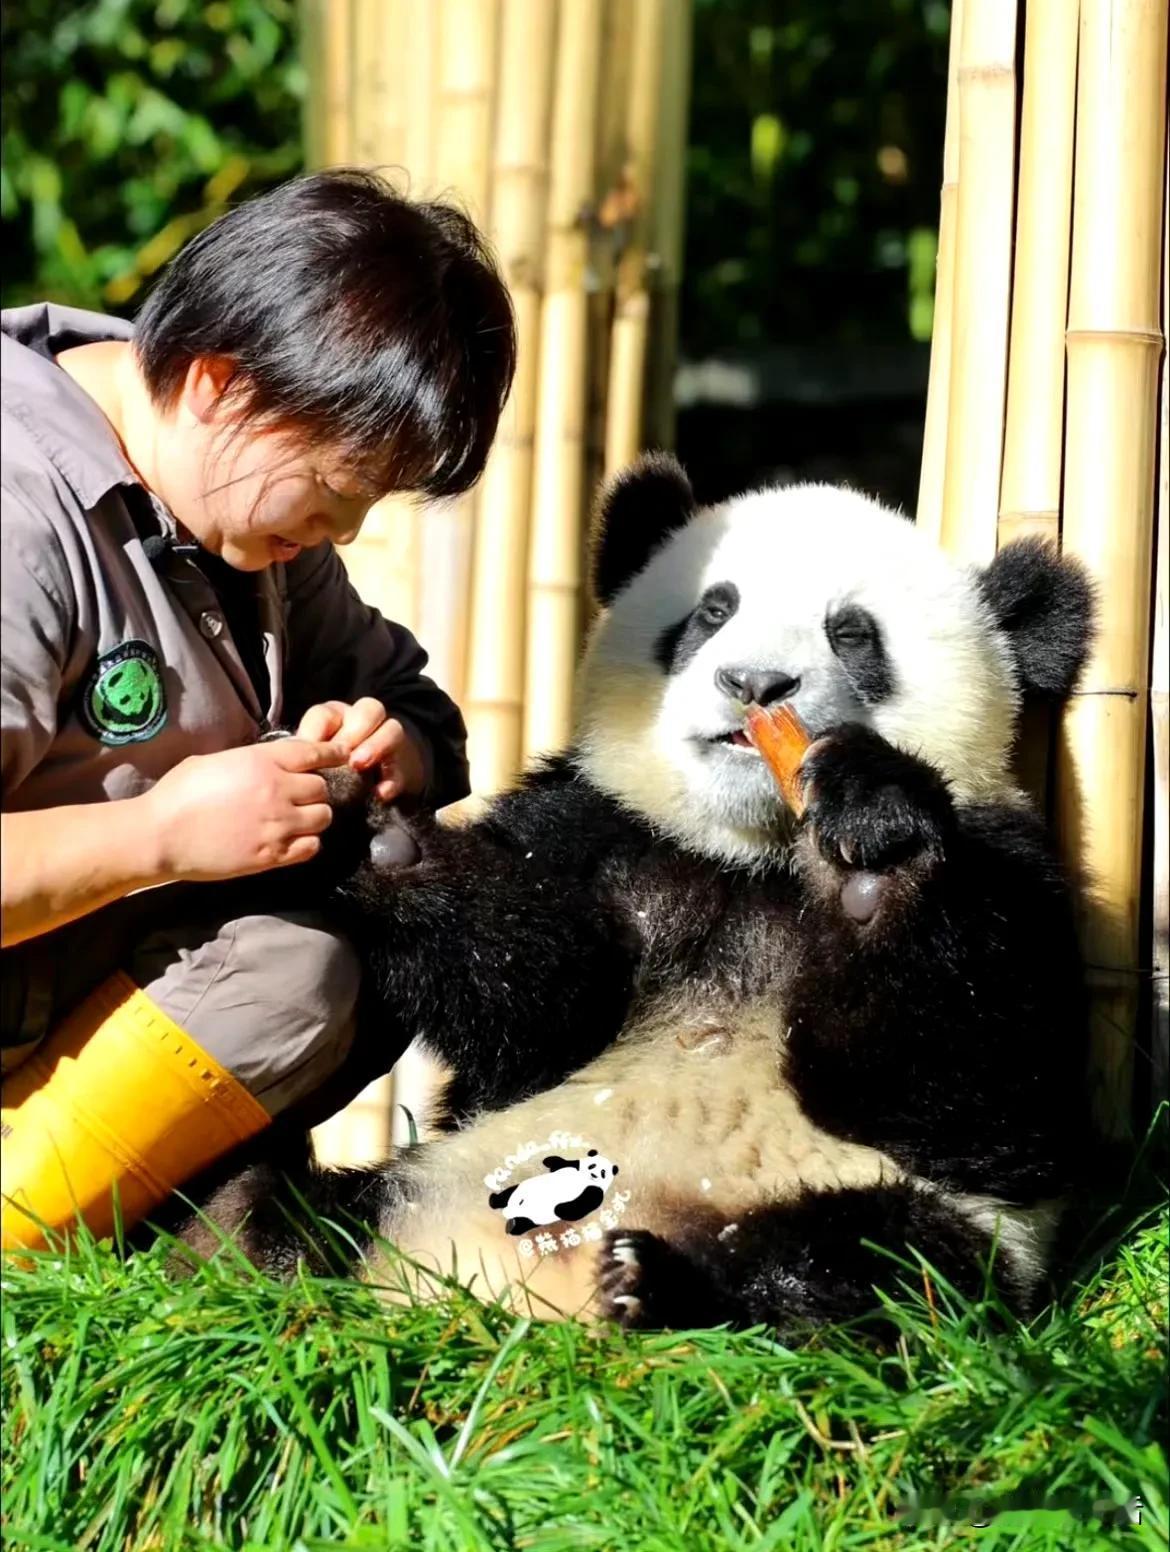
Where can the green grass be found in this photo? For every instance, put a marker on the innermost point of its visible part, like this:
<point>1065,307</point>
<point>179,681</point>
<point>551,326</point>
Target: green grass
<point>228,1411</point>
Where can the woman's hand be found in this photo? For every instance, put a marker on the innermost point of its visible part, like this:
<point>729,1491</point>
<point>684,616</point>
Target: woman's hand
<point>241,811</point>
<point>370,739</point>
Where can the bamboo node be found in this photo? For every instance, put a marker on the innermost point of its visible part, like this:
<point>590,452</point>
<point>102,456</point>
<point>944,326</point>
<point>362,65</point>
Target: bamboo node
<point>1119,336</point>
<point>1127,695</point>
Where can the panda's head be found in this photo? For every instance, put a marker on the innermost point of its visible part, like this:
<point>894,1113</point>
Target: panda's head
<point>814,595</point>
<point>597,1168</point>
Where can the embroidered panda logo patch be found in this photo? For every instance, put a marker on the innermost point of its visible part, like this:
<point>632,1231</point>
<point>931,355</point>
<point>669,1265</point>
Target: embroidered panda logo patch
<point>123,701</point>
<point>569,1190</point>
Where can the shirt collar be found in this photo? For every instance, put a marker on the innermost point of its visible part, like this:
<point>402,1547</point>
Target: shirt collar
<point>56,412</point>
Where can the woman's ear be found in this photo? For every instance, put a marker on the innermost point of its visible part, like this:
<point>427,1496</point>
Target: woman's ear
<point>1043,602</point>
<point>204,386</point>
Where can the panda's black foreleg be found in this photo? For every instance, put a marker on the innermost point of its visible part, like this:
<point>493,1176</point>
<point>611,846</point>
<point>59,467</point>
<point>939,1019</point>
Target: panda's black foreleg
<point>513,977</point>
<point>795,1265</point>
<point>934,1007</point>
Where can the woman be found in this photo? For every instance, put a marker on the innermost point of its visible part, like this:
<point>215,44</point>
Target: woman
<point>171,498</point>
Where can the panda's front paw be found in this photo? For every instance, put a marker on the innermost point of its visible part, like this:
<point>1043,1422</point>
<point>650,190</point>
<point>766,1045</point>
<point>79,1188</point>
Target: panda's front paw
<point>869,805</point>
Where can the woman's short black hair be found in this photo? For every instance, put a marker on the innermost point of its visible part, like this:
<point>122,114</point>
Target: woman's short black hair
<point>371,323</point>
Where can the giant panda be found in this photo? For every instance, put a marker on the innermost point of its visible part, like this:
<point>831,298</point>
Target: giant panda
<point>796,1040</point>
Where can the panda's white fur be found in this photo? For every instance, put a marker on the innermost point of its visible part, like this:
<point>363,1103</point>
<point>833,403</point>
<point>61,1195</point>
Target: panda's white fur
<point>793,554</point>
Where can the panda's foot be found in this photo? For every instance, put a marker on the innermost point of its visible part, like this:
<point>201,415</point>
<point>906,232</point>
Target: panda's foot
<point>871,807</point>
<point>645,1284</point>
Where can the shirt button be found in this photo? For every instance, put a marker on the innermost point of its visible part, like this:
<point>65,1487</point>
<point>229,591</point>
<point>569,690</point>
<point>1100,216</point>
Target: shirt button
<point>211,624</point>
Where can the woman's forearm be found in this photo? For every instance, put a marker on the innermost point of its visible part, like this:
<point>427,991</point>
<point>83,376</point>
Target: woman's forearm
<point>57,864</point>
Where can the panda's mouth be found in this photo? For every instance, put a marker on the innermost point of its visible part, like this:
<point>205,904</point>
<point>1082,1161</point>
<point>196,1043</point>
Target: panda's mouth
<point>736,738</point>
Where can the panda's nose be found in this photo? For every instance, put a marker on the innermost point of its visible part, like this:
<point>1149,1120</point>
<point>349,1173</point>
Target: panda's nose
<point>758,685</point>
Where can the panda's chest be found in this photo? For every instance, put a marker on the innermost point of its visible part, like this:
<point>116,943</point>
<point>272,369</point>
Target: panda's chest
<point>717,936</point>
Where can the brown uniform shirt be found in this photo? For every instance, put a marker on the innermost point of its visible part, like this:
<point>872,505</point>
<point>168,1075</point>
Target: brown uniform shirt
<point>117,658</point>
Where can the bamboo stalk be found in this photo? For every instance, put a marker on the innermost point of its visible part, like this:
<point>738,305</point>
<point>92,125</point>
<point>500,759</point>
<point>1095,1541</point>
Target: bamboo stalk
<point>466,55</point>
<point>361,1132</point>
<point>328,26</point>
<point>418,43</point>
<point>379,62</point>
<point>610,221</point>
<point>934,439</point>
<point>1029,503</point>
<point>1030,488</point>
<point>983,243</point>
<point>667,225</point>
<point>1114,346</point>
<point>1160,706</point>
<point>554,575</point>
<point>495,673</point>
<point>383,563</point>
<point>631,323</point>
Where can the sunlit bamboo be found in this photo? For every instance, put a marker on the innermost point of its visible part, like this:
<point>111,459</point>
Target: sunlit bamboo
<point>934,440</point>
<point>1114,347</point>
<point>982,292</point>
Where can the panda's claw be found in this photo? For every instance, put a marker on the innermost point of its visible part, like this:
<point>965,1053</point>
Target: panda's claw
<point>632,1306</point>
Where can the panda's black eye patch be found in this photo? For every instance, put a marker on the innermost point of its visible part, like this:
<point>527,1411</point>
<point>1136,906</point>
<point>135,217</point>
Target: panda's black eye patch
<point>856,639</point>
<point>678,644</point>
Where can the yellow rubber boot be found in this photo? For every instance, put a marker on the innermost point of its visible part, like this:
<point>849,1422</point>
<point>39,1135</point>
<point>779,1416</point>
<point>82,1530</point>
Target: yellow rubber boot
<point>119,1102</point>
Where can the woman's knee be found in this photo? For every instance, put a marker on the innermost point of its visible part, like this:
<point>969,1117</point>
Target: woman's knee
<point>273,998</point>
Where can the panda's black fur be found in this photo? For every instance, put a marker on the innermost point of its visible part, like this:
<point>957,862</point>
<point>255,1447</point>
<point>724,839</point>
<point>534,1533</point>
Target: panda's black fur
<point>918,953</point>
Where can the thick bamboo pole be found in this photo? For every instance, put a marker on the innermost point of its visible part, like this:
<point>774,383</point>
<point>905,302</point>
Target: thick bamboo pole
<point>631,323</point>
<point>611,220</point>
<point>667,224</point>
<point>1030,488</point>
<point>383,564</point>
<point>1114,345</point>
<point>934,439</point>
<point>495,671</point>
<point>983,254</point>
<point>418,42</point>
<point>466,59</point>
<point>1160,703</point>
<point>378,66</point>
<point>554,575</point>
<point>1029,500</point>
<point>328,27</point>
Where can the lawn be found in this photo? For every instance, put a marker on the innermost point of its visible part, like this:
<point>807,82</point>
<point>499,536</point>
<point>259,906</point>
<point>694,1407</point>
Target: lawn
<point>229,1411</point>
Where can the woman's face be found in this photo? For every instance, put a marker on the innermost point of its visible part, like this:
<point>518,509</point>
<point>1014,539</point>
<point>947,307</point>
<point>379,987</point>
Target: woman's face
<point>265,497</point>
<point>256,495</point>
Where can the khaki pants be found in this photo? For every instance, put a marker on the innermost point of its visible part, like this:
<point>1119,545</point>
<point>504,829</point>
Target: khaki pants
<point>272,995</point>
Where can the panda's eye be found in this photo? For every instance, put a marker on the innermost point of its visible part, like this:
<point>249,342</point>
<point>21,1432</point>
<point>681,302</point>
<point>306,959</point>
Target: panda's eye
<point>717,605</point>
<point>852,628</point>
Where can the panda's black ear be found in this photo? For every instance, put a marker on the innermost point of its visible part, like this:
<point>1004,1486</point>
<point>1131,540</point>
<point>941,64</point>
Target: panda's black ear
<point>1043,602</point>
<point>636,511</point>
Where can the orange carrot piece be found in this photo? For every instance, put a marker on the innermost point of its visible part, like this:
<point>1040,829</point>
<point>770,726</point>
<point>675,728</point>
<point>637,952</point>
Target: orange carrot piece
<point>782,739</point>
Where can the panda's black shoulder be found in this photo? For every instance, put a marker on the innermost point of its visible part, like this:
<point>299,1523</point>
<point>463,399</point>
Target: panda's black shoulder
<point>560,816</point>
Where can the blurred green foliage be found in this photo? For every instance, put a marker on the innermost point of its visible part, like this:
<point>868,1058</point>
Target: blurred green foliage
<point>814,160</point>
<point>813,171</point>
<point>127,125</point>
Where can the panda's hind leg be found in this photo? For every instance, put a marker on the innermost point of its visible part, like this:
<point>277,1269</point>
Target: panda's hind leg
<point>795,1265</point>
<point>277,1207</point>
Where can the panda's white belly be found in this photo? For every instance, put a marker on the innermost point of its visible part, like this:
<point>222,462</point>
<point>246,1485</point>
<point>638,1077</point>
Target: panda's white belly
<point>693,1113</point>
